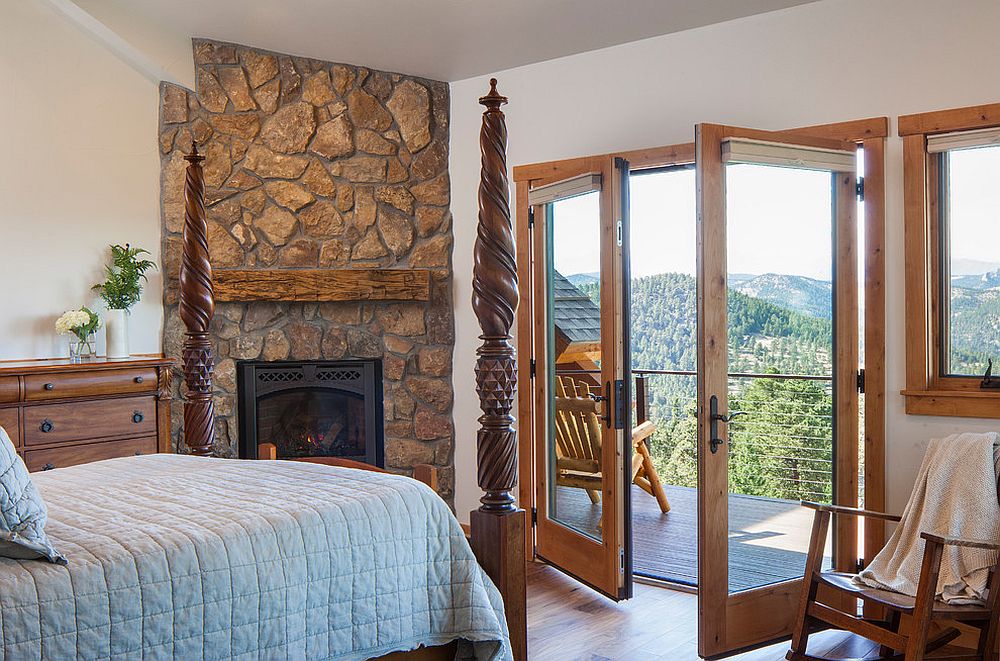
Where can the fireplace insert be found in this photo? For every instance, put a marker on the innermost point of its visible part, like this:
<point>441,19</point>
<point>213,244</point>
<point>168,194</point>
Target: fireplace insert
<point>312,409</point>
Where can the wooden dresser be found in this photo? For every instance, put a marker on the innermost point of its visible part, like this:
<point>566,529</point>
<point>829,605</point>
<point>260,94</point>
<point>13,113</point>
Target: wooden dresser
<point>59,414</point>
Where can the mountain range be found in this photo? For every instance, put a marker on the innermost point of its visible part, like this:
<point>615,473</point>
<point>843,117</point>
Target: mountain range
<point>794,292</point>
<point>990,280</point>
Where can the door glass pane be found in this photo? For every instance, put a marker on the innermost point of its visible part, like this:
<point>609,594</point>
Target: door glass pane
<point>971,260</point>
<point>662,223</point>
<point>573,270</point>
<point>780,229</point>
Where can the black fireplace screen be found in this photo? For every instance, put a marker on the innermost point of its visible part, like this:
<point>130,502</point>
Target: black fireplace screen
<point>312,409</point>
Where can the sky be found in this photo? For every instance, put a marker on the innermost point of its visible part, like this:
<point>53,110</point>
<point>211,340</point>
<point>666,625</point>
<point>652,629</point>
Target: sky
<point>787,233</point>
<point>767,233</point>
<point>974,181</point>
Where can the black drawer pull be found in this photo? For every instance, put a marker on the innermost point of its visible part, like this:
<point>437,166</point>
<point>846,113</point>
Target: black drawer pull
<point>46,426</point>
<point>48,467</point>
<point>137,417</point>
<point>138,453</point>
<point>138,379</point>
<point>49,386</point>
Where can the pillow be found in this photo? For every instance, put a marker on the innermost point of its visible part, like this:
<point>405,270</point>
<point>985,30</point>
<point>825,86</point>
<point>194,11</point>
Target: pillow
<point>22,512</point>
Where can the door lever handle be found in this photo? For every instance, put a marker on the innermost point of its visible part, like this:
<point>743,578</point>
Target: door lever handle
<point>606,407</point>
<point>727,418</point>
<point>715,418</point>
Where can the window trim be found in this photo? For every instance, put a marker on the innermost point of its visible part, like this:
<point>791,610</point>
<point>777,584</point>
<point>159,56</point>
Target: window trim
<point>928,391</point>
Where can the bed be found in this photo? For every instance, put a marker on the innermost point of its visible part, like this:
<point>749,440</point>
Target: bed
<point>290,560</point>
<point>197,557</point>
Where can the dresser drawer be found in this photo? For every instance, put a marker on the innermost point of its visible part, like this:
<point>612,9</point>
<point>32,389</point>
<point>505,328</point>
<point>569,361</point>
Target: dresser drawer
<point>9,420</point>
<point>72,455</point>
<point>89,384</point>
<point>10,390</point>
<point>81,421</point>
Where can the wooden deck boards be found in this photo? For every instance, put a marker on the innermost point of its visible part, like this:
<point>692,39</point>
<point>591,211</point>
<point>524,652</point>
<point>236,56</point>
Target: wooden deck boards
<point>767,542</point>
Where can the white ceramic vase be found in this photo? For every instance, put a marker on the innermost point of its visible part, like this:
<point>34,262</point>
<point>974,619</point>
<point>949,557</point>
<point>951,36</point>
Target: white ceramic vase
<point>116,328</point>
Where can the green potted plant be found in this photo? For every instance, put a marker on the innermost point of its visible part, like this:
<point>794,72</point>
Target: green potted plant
<point>121,290</point>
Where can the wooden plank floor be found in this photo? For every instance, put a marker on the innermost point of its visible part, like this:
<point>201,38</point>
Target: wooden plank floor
<point>569,622</point>
<point>767,542</point>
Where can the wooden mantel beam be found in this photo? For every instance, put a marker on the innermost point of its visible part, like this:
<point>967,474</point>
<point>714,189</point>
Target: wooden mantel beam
<point>322,285</point>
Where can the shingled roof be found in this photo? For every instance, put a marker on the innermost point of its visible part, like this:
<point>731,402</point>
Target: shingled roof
<point>576,317</point>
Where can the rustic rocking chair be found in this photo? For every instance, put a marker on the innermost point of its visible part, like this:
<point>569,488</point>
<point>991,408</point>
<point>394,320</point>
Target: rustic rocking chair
<point>838,587</point>
<point>578,445</point>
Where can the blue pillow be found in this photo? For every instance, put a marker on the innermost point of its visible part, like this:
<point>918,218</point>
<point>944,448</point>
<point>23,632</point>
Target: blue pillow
<point>22,512</point>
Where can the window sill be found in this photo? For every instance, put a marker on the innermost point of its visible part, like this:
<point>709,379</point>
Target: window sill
<point>955,403</point>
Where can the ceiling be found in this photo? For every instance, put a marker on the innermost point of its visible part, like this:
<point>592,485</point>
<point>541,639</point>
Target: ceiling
<point>441,39</point>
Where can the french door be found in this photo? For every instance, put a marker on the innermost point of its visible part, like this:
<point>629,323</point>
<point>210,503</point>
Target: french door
<point>774,416</point>
<point>581,394</point>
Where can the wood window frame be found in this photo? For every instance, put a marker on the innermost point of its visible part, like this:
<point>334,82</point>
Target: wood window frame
<point>927,391</point>
<point>870,134</point>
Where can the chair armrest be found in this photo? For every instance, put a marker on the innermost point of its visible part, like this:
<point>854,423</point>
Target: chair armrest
<point>850,511</point>
<point>643,431</point>
<point>945,540</point>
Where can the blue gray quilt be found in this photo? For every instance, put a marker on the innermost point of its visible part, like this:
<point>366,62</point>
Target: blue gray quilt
<point>179,557</point>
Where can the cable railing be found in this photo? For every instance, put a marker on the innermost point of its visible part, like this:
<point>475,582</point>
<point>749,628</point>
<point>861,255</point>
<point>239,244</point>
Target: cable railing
<point>782,448</point>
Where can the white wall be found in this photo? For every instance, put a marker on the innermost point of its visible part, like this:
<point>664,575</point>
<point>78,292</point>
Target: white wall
<point>824,62</point>
<point>79,171</point>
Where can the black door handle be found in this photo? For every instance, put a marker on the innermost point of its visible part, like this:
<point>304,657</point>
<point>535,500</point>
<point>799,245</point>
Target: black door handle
<point>714,418</point>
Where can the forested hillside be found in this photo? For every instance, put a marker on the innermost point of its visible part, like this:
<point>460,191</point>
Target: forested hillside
<point>778,324</point>
<point>782,448</point>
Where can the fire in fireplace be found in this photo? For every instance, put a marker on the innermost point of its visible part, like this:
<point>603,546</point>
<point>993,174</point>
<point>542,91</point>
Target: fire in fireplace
<point>312,409</point>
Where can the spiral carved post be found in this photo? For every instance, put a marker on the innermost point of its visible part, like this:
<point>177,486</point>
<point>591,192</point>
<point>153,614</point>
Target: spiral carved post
<point>197,305</point>
<point>498,526</point>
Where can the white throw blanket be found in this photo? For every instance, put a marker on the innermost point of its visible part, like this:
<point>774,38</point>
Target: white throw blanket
<point>955,495</point>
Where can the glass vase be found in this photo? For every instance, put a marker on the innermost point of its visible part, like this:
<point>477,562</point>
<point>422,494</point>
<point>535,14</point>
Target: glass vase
<point>82,349</point>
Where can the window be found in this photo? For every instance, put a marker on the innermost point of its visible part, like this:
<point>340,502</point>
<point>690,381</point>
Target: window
<point>970,259</point>
<point>952,209</point>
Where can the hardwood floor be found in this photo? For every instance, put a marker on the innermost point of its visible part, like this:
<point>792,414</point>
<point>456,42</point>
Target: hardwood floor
<point>569,622</point>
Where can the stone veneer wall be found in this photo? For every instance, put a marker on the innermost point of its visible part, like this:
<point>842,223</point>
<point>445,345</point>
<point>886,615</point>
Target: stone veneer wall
<point>315,164</point>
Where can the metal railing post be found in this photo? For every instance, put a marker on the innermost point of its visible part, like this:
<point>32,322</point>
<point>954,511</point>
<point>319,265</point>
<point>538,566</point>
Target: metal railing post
<point>641,401</point>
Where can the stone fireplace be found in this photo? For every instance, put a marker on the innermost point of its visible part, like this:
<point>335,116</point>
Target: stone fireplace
<point>312,409</point>
<point>318,165</point>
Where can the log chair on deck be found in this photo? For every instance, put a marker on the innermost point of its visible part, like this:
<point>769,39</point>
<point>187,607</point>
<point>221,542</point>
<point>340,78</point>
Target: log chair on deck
<point>498,525</point>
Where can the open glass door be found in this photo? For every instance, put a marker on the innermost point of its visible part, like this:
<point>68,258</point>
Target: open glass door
<point>777,347</point>
<point>582,398</point>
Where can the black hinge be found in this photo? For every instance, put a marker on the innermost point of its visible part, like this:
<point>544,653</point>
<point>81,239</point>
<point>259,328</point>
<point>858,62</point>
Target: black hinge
<point>861,381</point>
<point>534,516</point>
<point>531,216</point>
<point>531,367</point>
<point>859,188</point>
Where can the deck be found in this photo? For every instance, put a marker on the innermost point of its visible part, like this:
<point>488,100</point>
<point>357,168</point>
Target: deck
<point>767,542</point>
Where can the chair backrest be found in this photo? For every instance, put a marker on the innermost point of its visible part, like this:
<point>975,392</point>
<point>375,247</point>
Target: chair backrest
<point>578,427</point>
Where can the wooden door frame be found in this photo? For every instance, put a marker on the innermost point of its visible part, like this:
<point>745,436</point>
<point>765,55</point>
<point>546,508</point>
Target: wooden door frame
<point>870,134</point>
<point>729,621</point>
<point>594,561</point>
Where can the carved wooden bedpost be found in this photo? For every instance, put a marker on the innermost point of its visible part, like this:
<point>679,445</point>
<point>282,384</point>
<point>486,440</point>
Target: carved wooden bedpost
<point>196,308</point>
<point>498,524</point>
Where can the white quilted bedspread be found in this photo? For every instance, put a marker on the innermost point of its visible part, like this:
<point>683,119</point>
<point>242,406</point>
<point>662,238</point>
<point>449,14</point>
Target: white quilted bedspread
<point>186,558</point>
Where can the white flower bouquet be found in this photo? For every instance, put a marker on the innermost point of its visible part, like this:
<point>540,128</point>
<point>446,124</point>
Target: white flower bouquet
<point>82,324</point>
